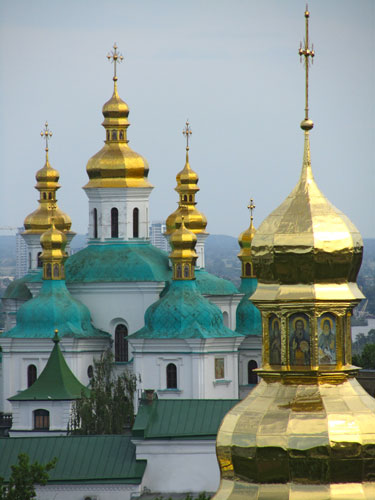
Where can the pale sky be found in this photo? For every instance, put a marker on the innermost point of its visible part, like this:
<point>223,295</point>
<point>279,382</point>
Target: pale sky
<point>231,67</point>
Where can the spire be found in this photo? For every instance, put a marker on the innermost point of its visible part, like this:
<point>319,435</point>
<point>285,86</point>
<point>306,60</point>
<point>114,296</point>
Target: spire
<point>116,58</point>
<point>183,254</point>
<point>53,256</point>
<point>308,54</point>
<point>46,134</point>
<point>244,240</point>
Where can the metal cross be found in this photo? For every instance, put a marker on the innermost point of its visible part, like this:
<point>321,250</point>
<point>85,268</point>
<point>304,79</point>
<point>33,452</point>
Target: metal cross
<point>307,52</point>
<point>47,134</point>
<point>187,132</point>
<point>116,58</point>
<point>251,208</point>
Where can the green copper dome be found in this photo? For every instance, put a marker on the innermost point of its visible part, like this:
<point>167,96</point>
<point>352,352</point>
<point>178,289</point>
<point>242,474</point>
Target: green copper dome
<point>183,313</point>
<point>17,289</point>
<point>248,318</point>
<point>54,308</point>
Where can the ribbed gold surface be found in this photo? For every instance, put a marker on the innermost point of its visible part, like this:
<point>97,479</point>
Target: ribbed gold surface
<point>306,239</point>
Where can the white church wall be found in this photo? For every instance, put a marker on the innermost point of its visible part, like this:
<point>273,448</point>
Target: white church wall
<point>23,417</point>
<point>228,305</point>
<point>88,491</point>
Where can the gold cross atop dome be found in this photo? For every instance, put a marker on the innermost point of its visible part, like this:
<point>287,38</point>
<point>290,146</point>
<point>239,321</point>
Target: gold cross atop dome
<point>46,134</point>
<point>187,132</point>
<point>251,208</point>
<point>115,57</point>
<point>307,53</point>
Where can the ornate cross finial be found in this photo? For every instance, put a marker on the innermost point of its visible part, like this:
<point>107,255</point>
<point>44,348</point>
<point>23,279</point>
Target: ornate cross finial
<point>251,207</point>
<point>116,58</point>
<point>187,132</point>
<point>47,134</point>
<point>307,52</point>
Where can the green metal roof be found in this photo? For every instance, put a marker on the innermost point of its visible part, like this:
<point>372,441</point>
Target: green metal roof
<point>17,289</point>
<point>181,418</point>
<point>80,459</point>
<point>248,317</point>
<point>56,382</point>
<point>53,308</point>
<point>182,312</point>
<point>116,262</point>
<point>209,284</point>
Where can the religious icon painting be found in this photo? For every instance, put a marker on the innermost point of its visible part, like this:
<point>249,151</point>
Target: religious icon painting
<point>299,340</point>
<point>274,328</point>
<point>327,339</point>
<point>219,368</point>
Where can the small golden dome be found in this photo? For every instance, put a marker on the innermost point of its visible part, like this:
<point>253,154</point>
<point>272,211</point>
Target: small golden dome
<point>182,240</point>
<point>306,239</point>
<point>53,243</point>
<point>116,165</point>
<point>187,181</point>
<point>47,177</point>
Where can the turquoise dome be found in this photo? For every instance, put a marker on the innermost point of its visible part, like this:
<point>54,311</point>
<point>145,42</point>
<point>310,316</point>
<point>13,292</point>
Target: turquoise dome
<point>54,308</point>
<point>18,290</point>
<point>209,284</point>
<point>183,313</point>
<point>248,318</point>
<point>116,262</point>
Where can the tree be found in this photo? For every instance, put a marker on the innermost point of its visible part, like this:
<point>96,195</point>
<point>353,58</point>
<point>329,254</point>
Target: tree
<point>109,408</point>
<point>21,484</point>
<point>368,357</point>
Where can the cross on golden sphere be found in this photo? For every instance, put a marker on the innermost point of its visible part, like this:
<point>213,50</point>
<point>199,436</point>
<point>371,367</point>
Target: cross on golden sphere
<point>187,132</point>
<point>46,134</point>
<point>251,207</point>
<point>116,58</point>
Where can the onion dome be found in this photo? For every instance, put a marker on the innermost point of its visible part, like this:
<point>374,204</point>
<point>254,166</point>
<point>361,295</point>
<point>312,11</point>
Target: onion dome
<point>244,240</point>
<point>47,184</point>
<point>116,165</point>
<point>306,240</point>
<point>183,255</point>
<point>187,187</point>
<point>53,256</point>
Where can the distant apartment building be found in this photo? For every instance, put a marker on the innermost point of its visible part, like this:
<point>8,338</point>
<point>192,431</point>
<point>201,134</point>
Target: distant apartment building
<point>22,264</point>
<point>157,230</point>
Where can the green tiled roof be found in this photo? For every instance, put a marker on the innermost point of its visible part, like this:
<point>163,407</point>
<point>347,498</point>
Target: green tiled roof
<point>209,284</point>
<point>248,318</point>
<point>182,312</point>
<point>18,290</point>
<point>56,382</point>
<point>80,459</point>
<point>181,419</point>
<point>116,262</point>
<point>53,308</point>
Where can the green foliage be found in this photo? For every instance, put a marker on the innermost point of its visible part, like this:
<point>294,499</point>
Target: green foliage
<point>362,340</point>
<point>109,408</point>
<point>367,358</point>
<point>21,485</point>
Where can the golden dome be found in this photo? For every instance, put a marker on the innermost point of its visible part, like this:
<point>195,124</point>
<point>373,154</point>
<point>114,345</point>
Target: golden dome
<point>187,181</point>
<point>246,237</point>
<point>116,165</point>
<point>40,220</point>
<point>307,240</point>
<point>183,255</point>
<point>53,243</point>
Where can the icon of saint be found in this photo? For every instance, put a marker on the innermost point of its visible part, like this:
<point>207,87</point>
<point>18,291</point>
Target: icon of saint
<point>299,345</point>
<point>275,343</point>
<point>327,343</point>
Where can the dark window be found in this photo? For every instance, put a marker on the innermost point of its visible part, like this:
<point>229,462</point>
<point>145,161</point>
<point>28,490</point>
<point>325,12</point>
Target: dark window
<point>39,260</point>
<point>252,377</point>
<point>185,197</point>
<point>44,196</point>
<point>49,271</point>
<point>136,223</point>
<point>31,375</point>
<point>178,271</point>
<point>248,269</point>
<point>121,135</point>
<point>114,223</point>
<point>50,196</point>
<point>41,420</point>
<point>90,371</point>
<point>121,344</point>
<point>171,376</point>
<point>186,270</point>
<point>95,215</point>
<point>29,260</point>
<point>114,135</point>
<point>55,270</point>
<point>108,135</point>
<point>191,197</point>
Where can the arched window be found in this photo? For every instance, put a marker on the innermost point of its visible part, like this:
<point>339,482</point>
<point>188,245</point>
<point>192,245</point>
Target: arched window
<point>49,270</point>
<point>108,135</point>
<point>95,217</point>
<point>114,135</point>
<point>171,376</point>
<point>29,260</point>
<point>50,196</point>
<point>225,318</point>
<point>90,371</point>
<point>178,271</point>
<point>191,197</point>
<point>55,270</point>
<point>252,377</point>
<point>114,223</point>
<point>121,344</point>
<point>39,260</point>
<point>186,271</point>
<point>41,420</point>
<point>121,135</point>
<point>44,196</point>
<point>248,270</point>
<point>136,223</point>
<point>31,375</point>
<point>185,197</point>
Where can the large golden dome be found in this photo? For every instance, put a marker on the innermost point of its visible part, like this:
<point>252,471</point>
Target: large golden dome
<point>116,165</point>
<point>187,187</point>
<point>307,240</point>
